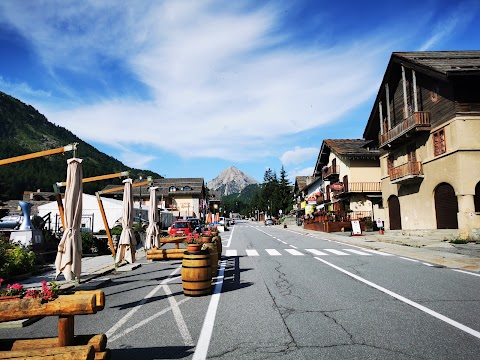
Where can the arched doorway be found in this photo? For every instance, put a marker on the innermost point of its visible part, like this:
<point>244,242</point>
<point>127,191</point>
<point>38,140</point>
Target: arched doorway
<point>476,198</point>
<point>446,207</point>
<point>394,213</point>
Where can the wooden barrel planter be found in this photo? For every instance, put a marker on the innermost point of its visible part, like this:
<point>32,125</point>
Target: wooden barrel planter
<point>196,273</point>
<point>218,241</point>
<point>213,250</point>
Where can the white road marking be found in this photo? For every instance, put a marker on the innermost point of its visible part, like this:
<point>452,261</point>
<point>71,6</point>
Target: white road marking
<point>252,252</point>
<point>316,252</point>
<point>231,253</point>
<point>378,252</point>
<point>230,238</point>
<point>336,252</point>
<point>272,252</point>
<point>182,326</point>
<point>466,272</point>
<point>203,342</point>
<point>358,252</point>
<point>404,258</point>
<point>293,246</point>
<point>294,252</point>
<point>125,318</point>
<point>427,264</point>
<point>407,301</point>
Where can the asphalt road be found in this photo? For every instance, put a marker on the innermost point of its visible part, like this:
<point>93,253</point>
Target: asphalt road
<point>285,295</point>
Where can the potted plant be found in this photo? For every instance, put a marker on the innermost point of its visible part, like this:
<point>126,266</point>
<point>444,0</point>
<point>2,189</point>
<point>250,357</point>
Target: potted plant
<point>192,243</point>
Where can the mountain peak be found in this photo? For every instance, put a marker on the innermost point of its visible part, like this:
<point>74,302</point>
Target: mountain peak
<point>231,181</point>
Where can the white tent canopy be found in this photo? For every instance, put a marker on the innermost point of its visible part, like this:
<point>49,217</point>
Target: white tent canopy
<point>91,215</point>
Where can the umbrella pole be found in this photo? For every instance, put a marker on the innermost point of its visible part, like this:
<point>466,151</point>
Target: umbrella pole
<point>58,198</point>
<point>105,222</point>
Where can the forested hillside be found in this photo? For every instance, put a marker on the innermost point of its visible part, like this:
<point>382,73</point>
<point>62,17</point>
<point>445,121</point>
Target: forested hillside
<point>24,130</point>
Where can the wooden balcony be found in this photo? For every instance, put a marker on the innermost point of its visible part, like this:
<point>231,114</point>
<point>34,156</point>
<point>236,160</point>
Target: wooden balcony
<point>418,121</point>
<point>332,172</point>
<point>360,187</point>
<point>410,171</point>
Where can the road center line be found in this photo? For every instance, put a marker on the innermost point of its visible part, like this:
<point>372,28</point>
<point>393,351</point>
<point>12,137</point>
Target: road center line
<point>207,328</point>
<point>407,301</point>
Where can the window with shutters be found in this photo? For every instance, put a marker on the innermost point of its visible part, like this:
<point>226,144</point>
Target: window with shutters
<point>439,144</point>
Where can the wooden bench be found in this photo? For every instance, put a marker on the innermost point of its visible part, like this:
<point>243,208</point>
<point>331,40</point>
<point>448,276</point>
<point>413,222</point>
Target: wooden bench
<point>65,307</point>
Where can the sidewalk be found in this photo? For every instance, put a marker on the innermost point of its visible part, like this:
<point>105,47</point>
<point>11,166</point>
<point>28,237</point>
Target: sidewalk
<point>431,247</point>
<point>92,267</point>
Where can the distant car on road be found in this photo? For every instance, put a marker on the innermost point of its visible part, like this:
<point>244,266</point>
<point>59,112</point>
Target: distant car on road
<point>269,222</point>
<point>197,224</point>
<point>181,227</point>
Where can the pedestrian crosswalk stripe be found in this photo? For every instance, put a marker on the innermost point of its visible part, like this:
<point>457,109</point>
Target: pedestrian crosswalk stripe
<point>358,252</point>
<point>272,252</point>
<point>336,252</point>
<point>322,252</point>
<point>294,252</point>
<point>231,253</point>
<point>316,252</point>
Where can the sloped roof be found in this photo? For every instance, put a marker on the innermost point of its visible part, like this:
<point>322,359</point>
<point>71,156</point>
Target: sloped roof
<point>348,148</point>
<point>300,183</point>
<point>442,65</point>
<point>444,62</point>
<point>196,186</point>
<point>352,147</point>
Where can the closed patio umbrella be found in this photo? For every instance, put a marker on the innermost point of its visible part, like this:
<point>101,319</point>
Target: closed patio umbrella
<point>69,254</point>
<point>209,218</point>
<point>153,230</point>
<point>127,243</point>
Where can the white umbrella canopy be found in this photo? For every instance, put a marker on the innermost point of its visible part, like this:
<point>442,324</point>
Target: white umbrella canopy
<point>153,230</point>
<point>127,243</point>
<point>69,255</point>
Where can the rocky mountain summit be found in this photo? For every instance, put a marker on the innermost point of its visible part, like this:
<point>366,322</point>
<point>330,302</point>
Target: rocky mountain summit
<point>231,181</point>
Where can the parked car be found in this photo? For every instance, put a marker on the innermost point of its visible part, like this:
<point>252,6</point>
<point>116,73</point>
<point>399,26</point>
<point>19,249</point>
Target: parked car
<point>197,224</point>
<point>269,222</point>
<point>180,227</point>
<point>221,220</point>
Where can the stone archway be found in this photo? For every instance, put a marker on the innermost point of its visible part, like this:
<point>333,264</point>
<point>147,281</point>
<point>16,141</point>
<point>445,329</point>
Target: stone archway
<point>446,207</point>
<point>394,213</point>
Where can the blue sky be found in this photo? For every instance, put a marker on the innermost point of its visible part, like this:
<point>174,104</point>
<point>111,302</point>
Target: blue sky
<point>189,88</point>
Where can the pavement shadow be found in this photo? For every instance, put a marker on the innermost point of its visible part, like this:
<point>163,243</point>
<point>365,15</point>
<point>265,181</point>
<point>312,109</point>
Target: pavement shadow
<point>161,352</point>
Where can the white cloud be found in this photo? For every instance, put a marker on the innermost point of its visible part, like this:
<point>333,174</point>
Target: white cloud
<point>299,155</point>
<point>445,27</point>
<point>219,77</point>
<point>292,174</point>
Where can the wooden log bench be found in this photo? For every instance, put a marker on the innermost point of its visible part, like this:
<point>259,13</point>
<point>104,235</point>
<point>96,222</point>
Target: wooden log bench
<point>165,254</point>
<point>65,307</point>
<point>173,240</point>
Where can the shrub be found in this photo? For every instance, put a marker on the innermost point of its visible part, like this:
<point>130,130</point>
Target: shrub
<point>15,259</point>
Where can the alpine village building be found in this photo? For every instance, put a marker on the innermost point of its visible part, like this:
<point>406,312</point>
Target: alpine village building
<point>417,168</point>
<point>426,122</point>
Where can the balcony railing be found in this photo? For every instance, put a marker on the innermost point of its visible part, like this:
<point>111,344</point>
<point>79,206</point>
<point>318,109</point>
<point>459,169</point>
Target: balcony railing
<point>363,187</point>
<point>418,121</point>
<point>331,171</point>
<point>405,172</point>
